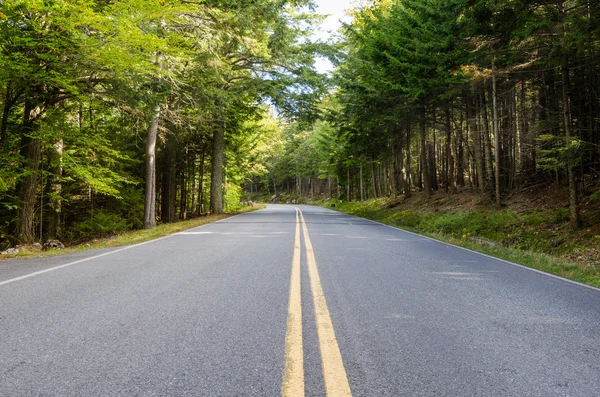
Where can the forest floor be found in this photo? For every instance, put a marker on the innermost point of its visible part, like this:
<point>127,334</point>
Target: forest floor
<point>129,237</point>
<point>532,227</point>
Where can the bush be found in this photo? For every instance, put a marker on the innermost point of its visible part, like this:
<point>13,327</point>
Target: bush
<point>102,224</point>
<point>233,195</point>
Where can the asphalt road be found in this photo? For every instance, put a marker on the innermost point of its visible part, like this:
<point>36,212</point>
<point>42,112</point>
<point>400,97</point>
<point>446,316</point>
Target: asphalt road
<point>214,312</point>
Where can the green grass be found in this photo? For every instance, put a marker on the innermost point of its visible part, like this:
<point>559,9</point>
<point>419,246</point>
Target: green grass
<point>536,239</point>
<point>131,237</point>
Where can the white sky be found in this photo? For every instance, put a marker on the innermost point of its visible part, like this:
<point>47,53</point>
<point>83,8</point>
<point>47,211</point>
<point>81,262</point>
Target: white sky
<point>336,11</point>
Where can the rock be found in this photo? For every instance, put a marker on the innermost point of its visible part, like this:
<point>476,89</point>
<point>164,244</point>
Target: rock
<point>10,251</point>
<point>53,244</point>
<point>32,247</point>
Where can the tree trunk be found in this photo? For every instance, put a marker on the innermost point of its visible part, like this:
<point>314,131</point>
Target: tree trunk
<point>55,202</point>
<point>200,204</point>
<point>361,184</point>
<point>31,151</point>
<point>496,137</point>
<point>527,153</point>
<point>575,217</point>
<point>431,150</point>
<point>477,150</point>
<point>183,187</point>
<point>432,166</point>
<point>150,199</point>
<point>424,161</point>
<point>169,180</point>
<point>193,186</point>
<point>397,158</point>
<point>449,165</point>
<point>374,180</point>
<point>348,185</point>
<point>216,180</point>
<point>407,181</point>
<point>460,154</point>
<point>487,144</point>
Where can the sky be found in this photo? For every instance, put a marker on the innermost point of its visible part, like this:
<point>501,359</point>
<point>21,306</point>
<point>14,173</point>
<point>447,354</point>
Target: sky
<point>336,9</point>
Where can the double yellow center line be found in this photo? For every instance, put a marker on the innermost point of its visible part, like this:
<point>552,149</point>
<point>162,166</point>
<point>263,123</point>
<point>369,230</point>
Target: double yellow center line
<point>334,374</point>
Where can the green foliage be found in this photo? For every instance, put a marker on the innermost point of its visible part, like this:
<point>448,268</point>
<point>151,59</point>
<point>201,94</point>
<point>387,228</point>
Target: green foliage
<point>94,73</point>
<point>232,197</point>
<point>558,150</point>
<point>101,224</point>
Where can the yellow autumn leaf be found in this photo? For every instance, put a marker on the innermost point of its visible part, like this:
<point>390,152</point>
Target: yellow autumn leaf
<point>3,16</point>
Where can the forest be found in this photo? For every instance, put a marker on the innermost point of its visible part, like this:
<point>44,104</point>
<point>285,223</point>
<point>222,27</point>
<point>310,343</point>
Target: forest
<point>455,95</point>
<point>117,115</point>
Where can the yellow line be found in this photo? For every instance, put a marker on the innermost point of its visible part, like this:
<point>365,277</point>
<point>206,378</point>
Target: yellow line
<point>293,376</point>
<point>334,373</point>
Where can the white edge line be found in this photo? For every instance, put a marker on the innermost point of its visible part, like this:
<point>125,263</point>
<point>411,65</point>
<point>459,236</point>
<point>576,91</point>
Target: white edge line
<point>12,280</point>
<point>482,254</point>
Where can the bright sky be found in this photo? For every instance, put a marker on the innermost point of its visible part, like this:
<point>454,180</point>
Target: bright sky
<point>336,11</point>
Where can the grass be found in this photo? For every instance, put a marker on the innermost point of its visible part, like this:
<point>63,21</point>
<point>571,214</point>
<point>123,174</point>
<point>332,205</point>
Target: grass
<point>538,239</point>
<point>131,237</point>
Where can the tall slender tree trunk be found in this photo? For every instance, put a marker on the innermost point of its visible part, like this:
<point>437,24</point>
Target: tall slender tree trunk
<point>397,158</point>
<point>575,217</point>
<point>361,183</point>
<point>424,161</point>
<point>348,185</point>
<point>200,204</point>
<point>193,185</point>
<point>407,167</point>
<point>216,177</point>
<point>55,186</point>
<point>432,166</point>
<point>31,151</point>
<point>449,165</point>
<point>431,150</point>
<point>527,159</point>
<point>496,137</point>
<point>150,200</point>
<point>477,150</point>
<point>374,180</point>
<point>169,179</point>
<point>487,144</point>
<point>460,154</point>
<point>183,187</point>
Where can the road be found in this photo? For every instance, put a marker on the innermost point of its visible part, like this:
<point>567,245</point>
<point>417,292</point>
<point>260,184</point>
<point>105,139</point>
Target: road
<point>293,300</point>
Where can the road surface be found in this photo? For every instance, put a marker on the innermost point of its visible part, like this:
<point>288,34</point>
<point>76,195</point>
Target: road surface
<point>293,300</point>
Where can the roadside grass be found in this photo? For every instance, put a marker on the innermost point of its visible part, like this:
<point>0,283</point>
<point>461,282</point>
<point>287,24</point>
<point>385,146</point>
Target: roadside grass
<point>539,239</point>
<point>131,237</point>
